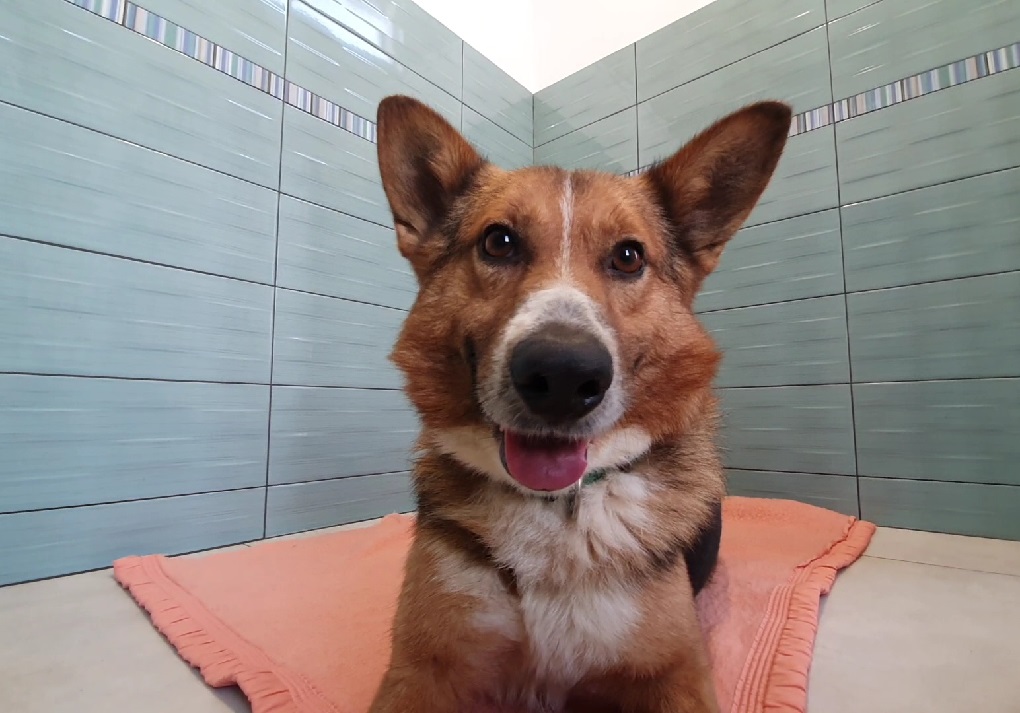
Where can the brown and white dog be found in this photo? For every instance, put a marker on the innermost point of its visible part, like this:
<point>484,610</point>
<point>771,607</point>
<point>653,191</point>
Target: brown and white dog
<point>568,481</point>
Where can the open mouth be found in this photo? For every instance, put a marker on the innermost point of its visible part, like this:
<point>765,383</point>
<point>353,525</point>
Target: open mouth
<point>543,463</point>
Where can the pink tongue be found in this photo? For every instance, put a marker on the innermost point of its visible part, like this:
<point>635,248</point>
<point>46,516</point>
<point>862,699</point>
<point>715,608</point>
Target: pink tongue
<point>544,464</point>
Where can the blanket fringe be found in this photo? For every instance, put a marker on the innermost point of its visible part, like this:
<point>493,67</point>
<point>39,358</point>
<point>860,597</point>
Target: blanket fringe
<point>222,656</point>
<point>775,675</point>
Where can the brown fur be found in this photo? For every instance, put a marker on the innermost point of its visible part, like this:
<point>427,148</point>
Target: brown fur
<point>443,196</point>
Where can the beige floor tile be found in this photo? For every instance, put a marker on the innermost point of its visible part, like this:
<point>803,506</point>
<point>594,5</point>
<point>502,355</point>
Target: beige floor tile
<point>81,645</point>
<point>974,553</point>
<point>901,637</point>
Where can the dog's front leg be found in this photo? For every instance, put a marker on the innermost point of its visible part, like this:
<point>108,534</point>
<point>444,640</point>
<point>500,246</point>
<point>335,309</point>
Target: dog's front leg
<point>446,653</point>
<point>683,688</point>
<point>416,689</point>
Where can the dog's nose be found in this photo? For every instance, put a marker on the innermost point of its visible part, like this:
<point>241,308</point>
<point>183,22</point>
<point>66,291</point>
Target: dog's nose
<point>561,372</point>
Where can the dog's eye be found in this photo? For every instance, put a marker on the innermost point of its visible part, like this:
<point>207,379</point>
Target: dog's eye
<point>628,258</point>
<point>499,243</point>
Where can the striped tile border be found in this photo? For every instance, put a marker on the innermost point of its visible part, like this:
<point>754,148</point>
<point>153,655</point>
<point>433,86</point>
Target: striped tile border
<point>160,30</point>
<point>948,75</point>
<point>171,35</point>
<point>912,87</point>
<point>917,85</point>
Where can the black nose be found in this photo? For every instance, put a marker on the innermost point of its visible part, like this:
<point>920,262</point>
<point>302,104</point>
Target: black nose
<point>561,372</point>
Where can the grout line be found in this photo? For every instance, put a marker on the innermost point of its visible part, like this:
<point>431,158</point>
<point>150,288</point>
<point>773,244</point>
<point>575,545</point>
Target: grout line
<point>947,566</point>
<point>730,64</point>
<point>463,57</point>
<point>610,115</point>
<point>376,47</point>
<point>534,125</point>
<point>857,484</point>
<point>874,477</point>
<point>866,383</point>
<point>483,114</point>
<point>150,379</point>
<point>288,9</point>
<point>842,262</point>
<point>130,258</point>
<point>341,477</point>
<point>178,268</point>
<point>967,177</point>
<point>861,292</point>
<point>134,500</point>
<point>197,493</point>
<point>637,119</point>
<point>854,11</point>
<point>183,160</point>
<point>130,143</point>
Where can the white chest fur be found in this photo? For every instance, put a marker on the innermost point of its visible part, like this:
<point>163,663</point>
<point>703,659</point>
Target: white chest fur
<point>571,615</point>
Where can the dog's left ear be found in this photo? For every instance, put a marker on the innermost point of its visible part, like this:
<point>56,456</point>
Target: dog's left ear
<point>425,164</point>
<point>709,187</point>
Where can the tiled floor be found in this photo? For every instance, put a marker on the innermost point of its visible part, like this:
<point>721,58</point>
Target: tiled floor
<point>923,623</point>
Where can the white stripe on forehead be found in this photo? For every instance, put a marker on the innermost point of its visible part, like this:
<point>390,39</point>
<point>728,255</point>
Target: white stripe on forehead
<point>567,210</point>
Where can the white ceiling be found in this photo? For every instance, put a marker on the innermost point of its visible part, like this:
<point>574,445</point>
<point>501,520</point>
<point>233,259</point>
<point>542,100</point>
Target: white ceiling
<point>539,42</point>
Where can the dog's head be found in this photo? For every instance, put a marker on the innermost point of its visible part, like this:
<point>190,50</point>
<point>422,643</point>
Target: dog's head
<point>553,331</point>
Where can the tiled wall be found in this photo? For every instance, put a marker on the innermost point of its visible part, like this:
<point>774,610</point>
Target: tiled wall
<point>870,309</point>
<point>198,281</point>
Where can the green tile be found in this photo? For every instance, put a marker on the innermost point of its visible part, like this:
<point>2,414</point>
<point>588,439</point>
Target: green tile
<point>332,167</point>
<point>940,430</point>
<point>832,492</point>
<point>177,105</point>
<point>333,62</point>
<point>801,429</point>
<point>311,506</point>
<point>607,145</point>
<point>63,184</point>
<point>893,39</point>
<point>593,93</point>
<point>49,543</point>
<point>75,441</point>
<point>495,143</point>
<point>957,229</point>
<point>322,433</point>
<point>785,260</point>
<point>801,342</point>
<point>332,253</point>
<point>957,508</point>
<point>497,96</point>
<point>959,132</point>
<point>402,30</point>
<point>719,34</point>
<point>805,180</point>
<point>325,341</point>
<point>70,312</point>
<point>254,29</point>
<point>796,71</point>
<point>960,329</point>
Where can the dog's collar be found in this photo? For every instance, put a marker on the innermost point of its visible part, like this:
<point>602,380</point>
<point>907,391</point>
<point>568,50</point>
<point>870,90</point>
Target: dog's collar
<point>574,496</point>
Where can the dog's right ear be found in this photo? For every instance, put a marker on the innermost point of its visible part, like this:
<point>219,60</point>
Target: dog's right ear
<point>425,164</point>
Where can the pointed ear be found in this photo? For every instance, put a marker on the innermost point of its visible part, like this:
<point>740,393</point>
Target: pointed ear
<point>709,187</point>
<point>425,164</point>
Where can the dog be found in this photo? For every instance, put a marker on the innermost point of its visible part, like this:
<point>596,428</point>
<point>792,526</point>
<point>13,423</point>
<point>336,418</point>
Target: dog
<point>568,482</point>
